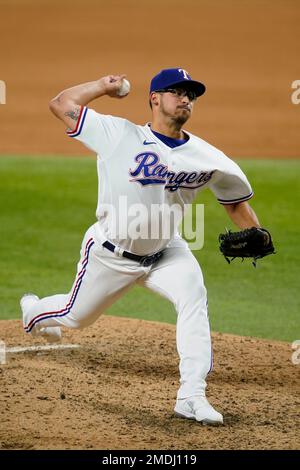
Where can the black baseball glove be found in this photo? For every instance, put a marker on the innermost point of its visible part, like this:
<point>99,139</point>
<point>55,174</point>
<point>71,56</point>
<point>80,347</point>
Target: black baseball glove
<point>249,243</point>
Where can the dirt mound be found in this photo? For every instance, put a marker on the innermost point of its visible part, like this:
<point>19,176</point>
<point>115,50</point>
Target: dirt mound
<point>117,391</point>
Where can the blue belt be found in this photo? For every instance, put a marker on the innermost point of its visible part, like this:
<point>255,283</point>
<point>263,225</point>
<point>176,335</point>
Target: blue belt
<point>143,260</point>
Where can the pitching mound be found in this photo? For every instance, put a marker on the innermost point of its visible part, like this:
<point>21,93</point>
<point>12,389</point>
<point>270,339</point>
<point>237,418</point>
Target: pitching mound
<point>117,391</point>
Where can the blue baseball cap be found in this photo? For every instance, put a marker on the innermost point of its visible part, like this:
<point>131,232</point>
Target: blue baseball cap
<point>170,77</point>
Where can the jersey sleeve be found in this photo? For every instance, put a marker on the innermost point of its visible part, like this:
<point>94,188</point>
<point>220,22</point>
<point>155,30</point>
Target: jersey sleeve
<point>229,184</point>
<point>98,132</point>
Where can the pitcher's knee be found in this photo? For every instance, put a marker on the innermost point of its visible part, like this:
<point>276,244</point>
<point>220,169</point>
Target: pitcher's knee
<point>80,320</point>
<point>75,323</point>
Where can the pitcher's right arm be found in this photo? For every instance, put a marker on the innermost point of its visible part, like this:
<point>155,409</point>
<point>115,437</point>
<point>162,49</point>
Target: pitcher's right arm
<point>68,103</point>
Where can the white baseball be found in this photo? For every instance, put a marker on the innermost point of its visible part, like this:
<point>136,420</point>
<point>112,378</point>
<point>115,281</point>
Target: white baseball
<point>124,88</point>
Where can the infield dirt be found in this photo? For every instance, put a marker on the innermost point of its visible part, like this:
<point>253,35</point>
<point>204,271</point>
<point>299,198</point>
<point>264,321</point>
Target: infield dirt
<point>118,390</point>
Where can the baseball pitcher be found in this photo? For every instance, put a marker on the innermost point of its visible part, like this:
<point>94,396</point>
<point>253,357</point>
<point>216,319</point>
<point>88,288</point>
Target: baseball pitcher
<point>154,165</point>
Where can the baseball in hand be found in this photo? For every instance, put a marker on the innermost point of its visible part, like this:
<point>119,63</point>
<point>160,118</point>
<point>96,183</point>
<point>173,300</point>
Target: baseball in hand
<point>124,88</point>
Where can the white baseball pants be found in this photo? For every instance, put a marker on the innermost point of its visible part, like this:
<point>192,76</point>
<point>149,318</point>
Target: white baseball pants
<point>102,277</point>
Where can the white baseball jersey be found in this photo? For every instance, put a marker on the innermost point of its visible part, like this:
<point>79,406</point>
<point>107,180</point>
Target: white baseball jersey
<point>133,163</point>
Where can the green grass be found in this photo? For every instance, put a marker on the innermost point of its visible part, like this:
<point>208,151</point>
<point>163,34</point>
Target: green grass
<point>48,203</point>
